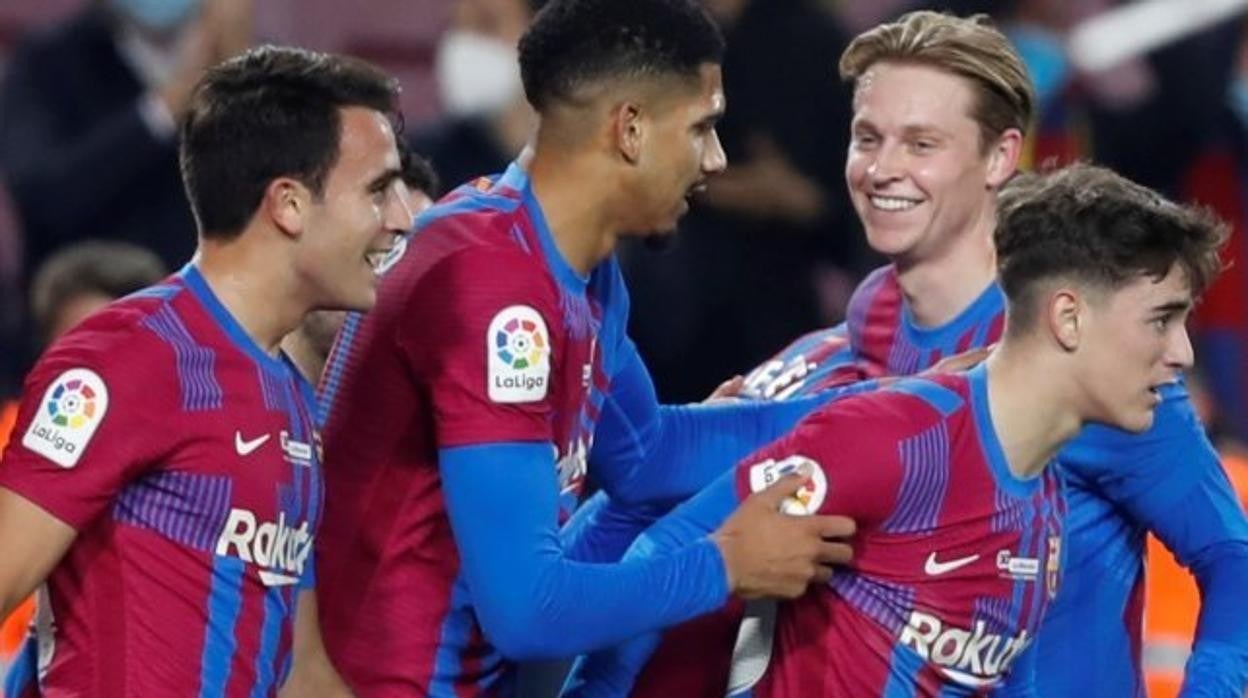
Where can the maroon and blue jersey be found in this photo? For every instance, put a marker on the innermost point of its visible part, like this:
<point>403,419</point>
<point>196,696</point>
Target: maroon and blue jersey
<point>879,338</point>
<point>186,459</point>
<point>482,334</point>
<point>1119,487</point>
<point>955,561</point>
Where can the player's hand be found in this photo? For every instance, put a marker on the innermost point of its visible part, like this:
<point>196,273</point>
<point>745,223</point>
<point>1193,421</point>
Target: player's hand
<point>960,362</point>
<point>771,554</point>
<point>727,391</point>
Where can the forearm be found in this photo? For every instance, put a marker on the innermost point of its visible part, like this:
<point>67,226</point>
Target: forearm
<point>33,542</point>
<point>692,445</point>
<point>602,529</point>
<point>613,671</point>
<point>532,601</point>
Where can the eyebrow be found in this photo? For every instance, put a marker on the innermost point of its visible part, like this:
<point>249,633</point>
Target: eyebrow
<point>715,114</point>
<point>909,130</point>
<point>925,130</point>
<point>385,179</point>
<point>1172,307</point>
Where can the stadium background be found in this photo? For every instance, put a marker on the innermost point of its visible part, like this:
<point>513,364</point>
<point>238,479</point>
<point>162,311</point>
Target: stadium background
<point>743,279</point>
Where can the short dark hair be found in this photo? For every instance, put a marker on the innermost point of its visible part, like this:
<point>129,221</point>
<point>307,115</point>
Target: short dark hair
<point>418,173</point>
<point>267,113</point>
<point>1087,224</point>
<point>572,43</point>
<point>107,268</point>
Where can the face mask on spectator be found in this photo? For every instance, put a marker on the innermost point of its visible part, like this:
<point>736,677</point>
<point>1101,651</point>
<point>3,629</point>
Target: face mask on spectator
<point>477,74</point>
<point>160,16</point>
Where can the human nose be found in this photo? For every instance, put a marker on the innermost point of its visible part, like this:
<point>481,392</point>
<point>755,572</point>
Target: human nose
<point>714,159</point>
<point>1179,353</point>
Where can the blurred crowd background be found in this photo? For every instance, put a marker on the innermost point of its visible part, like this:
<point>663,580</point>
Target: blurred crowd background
<point>90,92</point>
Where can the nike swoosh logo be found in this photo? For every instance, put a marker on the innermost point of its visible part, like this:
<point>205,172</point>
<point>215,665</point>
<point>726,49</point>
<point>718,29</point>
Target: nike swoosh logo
<point>245,448</point>
<point>934,568</point>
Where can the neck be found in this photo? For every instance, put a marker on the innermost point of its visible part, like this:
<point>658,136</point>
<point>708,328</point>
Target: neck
<point>1030,406</point>
<point>938,289</point>
<point>261,296</point>
<point>571,194</point>
<point>304,355</point>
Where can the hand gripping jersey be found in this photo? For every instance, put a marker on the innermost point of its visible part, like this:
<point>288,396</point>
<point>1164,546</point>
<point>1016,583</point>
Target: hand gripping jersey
<point>1119,486</point>
<point>955,561</point>
<point>187,460</point>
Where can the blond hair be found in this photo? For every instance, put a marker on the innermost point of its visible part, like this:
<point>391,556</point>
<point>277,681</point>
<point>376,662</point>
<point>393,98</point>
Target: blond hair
<point>970,47</point>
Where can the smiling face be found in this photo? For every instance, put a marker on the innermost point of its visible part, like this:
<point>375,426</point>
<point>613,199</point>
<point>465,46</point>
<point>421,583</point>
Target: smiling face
<point>918,174</point>
<point>1134,341</point>
<point>348,230</point>
<point>679,151</point>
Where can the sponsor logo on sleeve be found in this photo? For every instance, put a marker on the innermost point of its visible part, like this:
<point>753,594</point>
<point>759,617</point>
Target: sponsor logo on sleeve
<point>71,410</point>
<point>808,499</point>
<point>518,346</point>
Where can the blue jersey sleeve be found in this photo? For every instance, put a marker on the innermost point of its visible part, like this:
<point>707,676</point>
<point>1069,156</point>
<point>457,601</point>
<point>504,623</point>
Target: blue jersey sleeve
<point>611,673</point>
<point>602,529</point>
<point>531,600</point>
<point>22,681</point>
<point>1021,681</point>
<point>645,453</point>
<point>1170,480</point>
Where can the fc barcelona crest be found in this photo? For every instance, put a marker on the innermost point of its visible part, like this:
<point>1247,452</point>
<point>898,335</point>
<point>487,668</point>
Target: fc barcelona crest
<point>1052,566</point>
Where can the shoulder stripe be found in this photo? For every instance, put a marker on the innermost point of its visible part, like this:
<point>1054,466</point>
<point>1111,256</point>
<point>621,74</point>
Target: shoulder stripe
<point>164,292</point>
<point>469,204</point>
<point>195,363</point>
<point>924,482</point>
<point>942,399</point>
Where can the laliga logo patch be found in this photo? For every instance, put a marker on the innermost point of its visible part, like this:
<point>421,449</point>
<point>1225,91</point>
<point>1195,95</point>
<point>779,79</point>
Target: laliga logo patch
<point>808,499</point>
<point>71,410</point>
<point>518,346</point>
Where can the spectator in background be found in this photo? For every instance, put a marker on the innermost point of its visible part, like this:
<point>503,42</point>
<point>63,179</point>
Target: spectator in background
<point>774,248</point>
<point>85,277</point>
<point>71,285</point>
<point>101,94</point>
<point>487,118</point>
